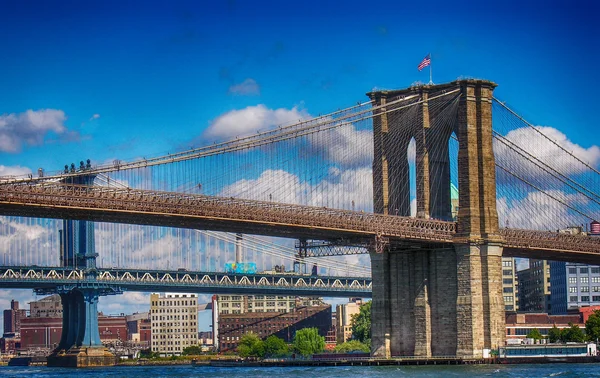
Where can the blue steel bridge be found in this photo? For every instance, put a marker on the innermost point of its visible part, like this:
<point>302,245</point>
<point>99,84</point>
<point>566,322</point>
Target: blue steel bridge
<point>114,281</point>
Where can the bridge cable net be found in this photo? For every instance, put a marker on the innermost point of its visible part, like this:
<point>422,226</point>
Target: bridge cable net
<point>321,162</point>
<point>544,181</point>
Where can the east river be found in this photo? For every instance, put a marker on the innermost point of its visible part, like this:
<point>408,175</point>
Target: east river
<point>496,371</point>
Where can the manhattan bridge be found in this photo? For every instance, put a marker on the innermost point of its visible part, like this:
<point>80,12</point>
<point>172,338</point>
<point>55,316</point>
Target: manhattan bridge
<point>412,197</point>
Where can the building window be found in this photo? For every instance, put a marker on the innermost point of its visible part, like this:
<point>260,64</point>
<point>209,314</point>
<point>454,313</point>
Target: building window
<point>573,299</point>
<point>584,280</point>
<point>583,270</point>
<point>508,289</point>
<point>572,280</point>
<point>572,270</point>
<point>595,279</point>
<point>507,272</point>
<point>572,290</point>
<point>508,299</point>
<point>596,270</point>
<point>507,281</point>
<point>585,298</point>
<point>596,298</point>
<point>585,289</point>
<point>507,263</point>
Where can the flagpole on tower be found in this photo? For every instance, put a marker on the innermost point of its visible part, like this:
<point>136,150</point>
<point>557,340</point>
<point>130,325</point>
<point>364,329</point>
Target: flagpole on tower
<point>430,79</point>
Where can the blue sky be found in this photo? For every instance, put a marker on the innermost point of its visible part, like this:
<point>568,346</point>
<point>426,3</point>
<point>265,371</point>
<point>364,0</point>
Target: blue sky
<point>126,79</point>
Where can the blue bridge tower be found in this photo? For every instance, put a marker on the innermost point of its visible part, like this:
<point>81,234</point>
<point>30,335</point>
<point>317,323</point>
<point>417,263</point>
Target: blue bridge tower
<point>80,344</point>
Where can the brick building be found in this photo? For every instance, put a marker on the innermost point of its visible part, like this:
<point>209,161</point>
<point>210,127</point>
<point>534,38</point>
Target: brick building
<point>281,324</point>
<point>12,318</point>
<point>45,332</point>
<point>519,325</point>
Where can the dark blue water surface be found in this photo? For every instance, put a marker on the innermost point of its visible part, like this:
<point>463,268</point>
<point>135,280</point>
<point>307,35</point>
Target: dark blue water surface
<point>496,371</point>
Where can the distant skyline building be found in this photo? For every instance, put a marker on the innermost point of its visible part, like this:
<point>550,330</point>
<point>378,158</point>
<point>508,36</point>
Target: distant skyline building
<point>574,286</point>
<point>12,318</point>
<point>535,287</point>
<point>510,284</point>
<point>344,313</point>
<point>174,322</point>
<point>47,307</point>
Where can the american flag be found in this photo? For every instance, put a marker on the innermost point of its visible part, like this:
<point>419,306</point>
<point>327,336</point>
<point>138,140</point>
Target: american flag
<point>426,61</point>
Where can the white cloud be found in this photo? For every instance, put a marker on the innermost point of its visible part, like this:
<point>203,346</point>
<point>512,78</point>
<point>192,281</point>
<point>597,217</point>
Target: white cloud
<point>346,146</point>
<point>95,116</point>
<point>250,120</point>
<point>352,189</point>
<point>532,142</point>
<point>27,241</point>
<point>29,128</point>
<point>13,171</point>
<point>247,87</point>
<point>536,210</point>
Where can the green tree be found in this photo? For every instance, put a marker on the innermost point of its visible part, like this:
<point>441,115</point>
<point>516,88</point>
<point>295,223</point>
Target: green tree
<point>307,341</point>
<point>251,346</point>
<point>535,334</point>
<point>554,334</point>
<point>352,346</point>
<point>361,324</point>
<point>192,350</point>
<point>592,326</point>
<point>275,347</point>
<point>572,334</point>
<point>148,353</point>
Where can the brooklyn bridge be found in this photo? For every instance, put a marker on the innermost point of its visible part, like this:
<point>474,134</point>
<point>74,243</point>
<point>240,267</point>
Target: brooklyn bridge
<point>434,182</point>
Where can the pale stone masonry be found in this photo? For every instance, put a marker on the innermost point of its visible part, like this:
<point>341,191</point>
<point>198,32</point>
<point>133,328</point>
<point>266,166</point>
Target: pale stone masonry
<point>173,322</point>
<point>433,300</point>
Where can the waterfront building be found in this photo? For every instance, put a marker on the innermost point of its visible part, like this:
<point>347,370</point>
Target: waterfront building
<point>45,332</point>
<point>9,344</point>
<point>510,284</point>
<point>232,327</point>
<point>574,286</point>
<point>518,325</point>
<point>139,328</point>
<point>174,322</point>
<point>12,318</point>
<point>344,313</point>
<point>535,287</point>
<point>241,304</point>
<point>47,307</point>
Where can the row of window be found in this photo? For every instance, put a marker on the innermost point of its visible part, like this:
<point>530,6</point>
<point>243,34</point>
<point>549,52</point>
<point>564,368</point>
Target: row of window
<point>595,270</point>
<point>173,310</point>
<point>584,298</point>
<point>174,317</point>
<point>173,302</point>
<point>584,280</point>
<point>192,335</point>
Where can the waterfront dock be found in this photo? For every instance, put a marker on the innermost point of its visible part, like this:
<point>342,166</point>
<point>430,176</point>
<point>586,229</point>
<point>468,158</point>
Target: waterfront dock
<point>363,361</point>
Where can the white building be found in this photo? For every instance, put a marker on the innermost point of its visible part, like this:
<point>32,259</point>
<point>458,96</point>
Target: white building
<point>343,315</point>
<point>241,304</point>
<point>173,322</point>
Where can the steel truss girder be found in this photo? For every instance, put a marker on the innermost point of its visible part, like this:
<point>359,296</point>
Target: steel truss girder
<point>114,281</point>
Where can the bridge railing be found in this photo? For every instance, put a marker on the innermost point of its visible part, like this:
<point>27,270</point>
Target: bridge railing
<point>547,240</point>
<point>168,203</point>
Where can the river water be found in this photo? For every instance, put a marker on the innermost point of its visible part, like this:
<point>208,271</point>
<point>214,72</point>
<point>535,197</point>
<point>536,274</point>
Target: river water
<point>495,371</point>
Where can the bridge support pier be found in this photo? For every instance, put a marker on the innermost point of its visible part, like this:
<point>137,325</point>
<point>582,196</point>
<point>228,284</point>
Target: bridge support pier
<point>434,300</point>
<point>80,344</point>
<point>414,302</point>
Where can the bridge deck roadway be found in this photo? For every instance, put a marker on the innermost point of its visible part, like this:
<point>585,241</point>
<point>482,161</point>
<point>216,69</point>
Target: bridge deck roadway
<point>144,207</point>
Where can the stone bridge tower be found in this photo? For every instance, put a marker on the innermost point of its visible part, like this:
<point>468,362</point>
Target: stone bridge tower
<point>431,299</point>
